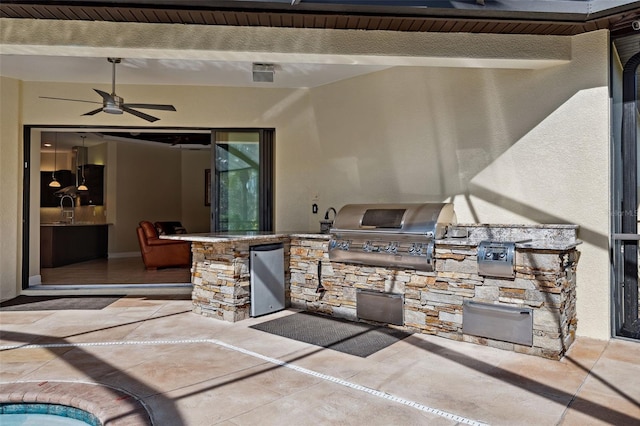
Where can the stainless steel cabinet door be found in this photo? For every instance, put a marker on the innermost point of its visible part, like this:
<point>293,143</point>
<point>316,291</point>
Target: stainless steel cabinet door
<point>267,279</point>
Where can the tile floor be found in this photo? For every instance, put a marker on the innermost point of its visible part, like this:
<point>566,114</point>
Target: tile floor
<point>191,370</point>
<point>125,270</point>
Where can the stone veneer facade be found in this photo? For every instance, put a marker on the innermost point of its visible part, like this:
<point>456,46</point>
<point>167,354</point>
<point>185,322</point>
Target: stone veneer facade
<point>220,275</point>
<point>433,301</point>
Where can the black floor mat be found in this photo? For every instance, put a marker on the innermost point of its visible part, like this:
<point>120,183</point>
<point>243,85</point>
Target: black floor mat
<point>53,303</point>
<point>353,338</point>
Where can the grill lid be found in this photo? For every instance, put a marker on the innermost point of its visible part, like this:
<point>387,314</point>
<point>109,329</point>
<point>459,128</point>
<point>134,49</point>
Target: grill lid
<point>428,220</point>
<point>396,235</point>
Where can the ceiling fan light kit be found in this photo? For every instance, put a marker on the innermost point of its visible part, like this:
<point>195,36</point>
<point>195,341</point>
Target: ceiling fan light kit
<point>114,104</point>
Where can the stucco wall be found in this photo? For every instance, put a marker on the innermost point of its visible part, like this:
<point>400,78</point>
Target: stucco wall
<point>506,145</point>
<point>10,187</point>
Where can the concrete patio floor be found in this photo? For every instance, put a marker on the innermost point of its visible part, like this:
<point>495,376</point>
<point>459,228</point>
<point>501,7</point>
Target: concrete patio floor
<point>153,353</point>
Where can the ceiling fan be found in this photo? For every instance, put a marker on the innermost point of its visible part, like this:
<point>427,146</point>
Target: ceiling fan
<point>114,104</point>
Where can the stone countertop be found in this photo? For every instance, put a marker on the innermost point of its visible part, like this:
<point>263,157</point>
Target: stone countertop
<point>539,237</point>
<point>225,237</point>
<point>74,224</point>
<point>531,236</point>
<point>310,236</point>
<point>540,244</point>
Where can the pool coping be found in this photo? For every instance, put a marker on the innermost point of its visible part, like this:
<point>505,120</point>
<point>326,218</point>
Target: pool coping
<point>110,405</point>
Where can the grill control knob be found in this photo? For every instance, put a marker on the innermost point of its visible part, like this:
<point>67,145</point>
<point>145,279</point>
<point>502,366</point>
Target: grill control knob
<point>415,249</point>
<point>392,247</point>
<point>367,246</point>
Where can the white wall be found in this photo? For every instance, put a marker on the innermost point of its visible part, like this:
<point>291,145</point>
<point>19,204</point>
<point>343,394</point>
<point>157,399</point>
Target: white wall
<point>195,215</point>
<point>505,145</point>
<point>287,110</point>
<point>10,187</point>
<point>148,187</point>
<point>558,171</point>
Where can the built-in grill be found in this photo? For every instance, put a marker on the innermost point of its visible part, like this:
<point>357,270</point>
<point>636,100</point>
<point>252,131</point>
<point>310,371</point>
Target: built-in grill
<point>397,235</point>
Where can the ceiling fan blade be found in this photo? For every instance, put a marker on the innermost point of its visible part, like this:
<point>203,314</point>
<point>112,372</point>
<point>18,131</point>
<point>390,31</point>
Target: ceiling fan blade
<point>66,99</point>
<point>152,106</point>
<point>107,97</point>
<point>94,112</point>
<point>139,114</point>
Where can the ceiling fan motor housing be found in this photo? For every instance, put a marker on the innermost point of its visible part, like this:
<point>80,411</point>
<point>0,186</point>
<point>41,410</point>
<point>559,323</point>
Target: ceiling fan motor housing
<point>113,105</point>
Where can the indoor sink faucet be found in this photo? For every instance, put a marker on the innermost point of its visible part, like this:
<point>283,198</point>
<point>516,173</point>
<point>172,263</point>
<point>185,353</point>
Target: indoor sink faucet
<point>67,214</point>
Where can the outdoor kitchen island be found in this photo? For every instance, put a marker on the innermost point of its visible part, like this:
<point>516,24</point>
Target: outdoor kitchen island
<point>531,311</point>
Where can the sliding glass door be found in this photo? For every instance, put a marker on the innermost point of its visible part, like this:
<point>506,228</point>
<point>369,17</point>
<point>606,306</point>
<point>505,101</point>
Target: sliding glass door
<point>241,180</point>
<point>625,237</point>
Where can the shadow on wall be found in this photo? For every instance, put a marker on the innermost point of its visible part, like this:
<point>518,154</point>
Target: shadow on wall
<point>535,214</point>
<point>410,134</point>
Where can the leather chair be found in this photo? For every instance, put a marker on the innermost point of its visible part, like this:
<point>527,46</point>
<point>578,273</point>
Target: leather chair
<point>157,253</point>
<point>169,228</point>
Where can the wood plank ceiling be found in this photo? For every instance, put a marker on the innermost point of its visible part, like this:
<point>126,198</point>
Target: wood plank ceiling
<point>390,19</point>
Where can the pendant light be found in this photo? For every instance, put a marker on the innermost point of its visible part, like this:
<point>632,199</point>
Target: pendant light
<point>82,186</point>
<point>54,182</point>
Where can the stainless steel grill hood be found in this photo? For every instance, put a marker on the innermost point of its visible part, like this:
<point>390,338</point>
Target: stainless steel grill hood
<point>397,235</point>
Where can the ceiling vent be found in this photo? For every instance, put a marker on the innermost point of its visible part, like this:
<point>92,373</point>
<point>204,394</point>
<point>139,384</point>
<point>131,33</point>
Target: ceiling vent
<point>263,73</point>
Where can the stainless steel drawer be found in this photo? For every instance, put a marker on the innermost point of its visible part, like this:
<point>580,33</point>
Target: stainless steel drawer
<point>506,323</point>
<point>381,307</point>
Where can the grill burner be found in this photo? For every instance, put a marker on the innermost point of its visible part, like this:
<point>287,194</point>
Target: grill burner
<point>399,235</point>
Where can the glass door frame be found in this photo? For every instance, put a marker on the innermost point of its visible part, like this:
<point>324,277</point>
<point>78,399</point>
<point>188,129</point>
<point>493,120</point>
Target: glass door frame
<point>625,237</point>
<point>266,139</point>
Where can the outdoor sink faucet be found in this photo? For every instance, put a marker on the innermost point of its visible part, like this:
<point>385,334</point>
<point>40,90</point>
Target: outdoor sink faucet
<point>326,214</point>
<point>326,224</point>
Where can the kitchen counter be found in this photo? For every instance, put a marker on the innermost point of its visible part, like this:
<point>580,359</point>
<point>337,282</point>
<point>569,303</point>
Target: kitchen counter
<point>543,284</point>
<point>538,237</point>
<point>66,243</point>
<point>250,236</point>
<point>74,224</point>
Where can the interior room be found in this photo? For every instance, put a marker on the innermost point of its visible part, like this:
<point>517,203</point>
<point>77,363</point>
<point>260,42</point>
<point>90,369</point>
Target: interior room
<point>128,177</point>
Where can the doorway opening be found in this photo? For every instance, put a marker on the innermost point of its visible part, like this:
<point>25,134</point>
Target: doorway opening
<point>143,174</point>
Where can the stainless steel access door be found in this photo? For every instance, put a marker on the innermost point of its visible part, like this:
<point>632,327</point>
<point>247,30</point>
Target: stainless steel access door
<point>267,279</point>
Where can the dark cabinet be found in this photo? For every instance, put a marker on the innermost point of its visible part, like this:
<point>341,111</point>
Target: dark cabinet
<point>94,179</point>
<point>47,193</point>
<point>66,244</point>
